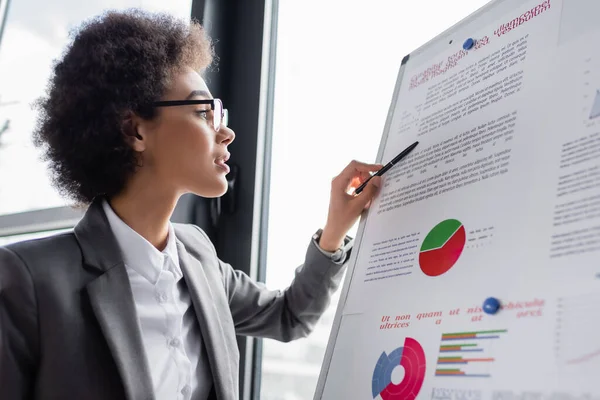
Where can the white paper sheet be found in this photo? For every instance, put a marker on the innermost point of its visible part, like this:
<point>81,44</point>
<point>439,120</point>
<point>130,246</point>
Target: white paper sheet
<point>500,199</point>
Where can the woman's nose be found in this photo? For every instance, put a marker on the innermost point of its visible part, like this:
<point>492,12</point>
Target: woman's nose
<point>226,135</point>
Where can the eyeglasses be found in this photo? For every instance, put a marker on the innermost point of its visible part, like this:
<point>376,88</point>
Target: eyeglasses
<point>220,115</point>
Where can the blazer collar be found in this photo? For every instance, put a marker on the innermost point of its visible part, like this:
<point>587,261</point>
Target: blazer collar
<point>97,241</point>
<point>219,350</point>
<point>112,302</point>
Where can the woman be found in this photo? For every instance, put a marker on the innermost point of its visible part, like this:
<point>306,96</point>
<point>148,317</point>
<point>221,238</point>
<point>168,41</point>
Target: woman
<point>129,305</point>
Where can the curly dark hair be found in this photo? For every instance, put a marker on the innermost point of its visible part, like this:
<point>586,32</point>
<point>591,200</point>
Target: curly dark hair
<point>116,63</point>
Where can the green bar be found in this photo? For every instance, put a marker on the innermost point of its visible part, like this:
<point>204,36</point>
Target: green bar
<point>458,345</point>
<point>475,333</point>
<point>440,234</point>
<point>447,370</point>
<point>450,358</point>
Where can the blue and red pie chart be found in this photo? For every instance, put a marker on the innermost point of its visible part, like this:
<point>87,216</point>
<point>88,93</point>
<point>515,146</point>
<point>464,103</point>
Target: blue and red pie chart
<point>409,359</point>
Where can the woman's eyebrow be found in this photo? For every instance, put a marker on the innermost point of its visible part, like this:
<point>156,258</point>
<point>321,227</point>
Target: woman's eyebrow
<point>198,93</point>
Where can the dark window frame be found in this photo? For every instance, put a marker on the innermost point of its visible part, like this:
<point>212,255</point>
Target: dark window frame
<point>245,36</point>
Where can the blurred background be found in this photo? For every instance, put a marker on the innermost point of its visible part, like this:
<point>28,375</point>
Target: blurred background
<point>308,85</point>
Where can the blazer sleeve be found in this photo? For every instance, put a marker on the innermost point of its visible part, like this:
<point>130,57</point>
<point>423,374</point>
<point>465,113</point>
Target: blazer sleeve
<point>287,314</point>
<point>18,327</point>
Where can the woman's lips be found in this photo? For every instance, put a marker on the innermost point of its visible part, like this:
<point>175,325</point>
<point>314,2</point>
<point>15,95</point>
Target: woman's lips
<point>221,164</point>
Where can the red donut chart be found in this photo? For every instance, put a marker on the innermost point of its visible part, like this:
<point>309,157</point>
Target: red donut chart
<point>412,358</point>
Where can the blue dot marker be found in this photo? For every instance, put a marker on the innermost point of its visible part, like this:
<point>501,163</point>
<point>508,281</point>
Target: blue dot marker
<point>491,305</point>
<point>468,44</point>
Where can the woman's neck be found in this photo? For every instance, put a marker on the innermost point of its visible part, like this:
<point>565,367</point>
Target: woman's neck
<point>146,210</point>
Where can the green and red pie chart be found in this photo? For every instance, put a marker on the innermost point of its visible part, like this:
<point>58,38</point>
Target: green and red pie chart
<point>442,247</point>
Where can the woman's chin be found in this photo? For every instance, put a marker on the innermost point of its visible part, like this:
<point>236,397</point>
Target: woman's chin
<point>212,191</point>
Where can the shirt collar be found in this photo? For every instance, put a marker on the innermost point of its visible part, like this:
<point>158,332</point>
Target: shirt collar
<point>139,254</point>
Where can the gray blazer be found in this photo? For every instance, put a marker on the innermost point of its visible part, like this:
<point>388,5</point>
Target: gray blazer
<point>68,325</point>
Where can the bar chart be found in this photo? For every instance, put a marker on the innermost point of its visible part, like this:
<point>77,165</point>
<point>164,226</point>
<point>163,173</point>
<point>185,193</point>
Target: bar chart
<point>467,354</point>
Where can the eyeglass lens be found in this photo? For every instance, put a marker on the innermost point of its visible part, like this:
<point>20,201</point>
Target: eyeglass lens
<point>225,120</point>
<point>220,115</point>
<point>217,114</point>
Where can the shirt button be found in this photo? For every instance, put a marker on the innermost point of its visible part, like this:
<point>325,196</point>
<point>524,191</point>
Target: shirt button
<point>174,342</point>
<point>162,297</point>
<point>186,391</point>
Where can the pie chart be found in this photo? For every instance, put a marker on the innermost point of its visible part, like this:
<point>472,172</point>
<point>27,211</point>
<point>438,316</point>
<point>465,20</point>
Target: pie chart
<point>411,358</point>
<point>442,247</point>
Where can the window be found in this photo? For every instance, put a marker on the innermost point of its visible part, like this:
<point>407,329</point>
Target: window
<point>337,63</point>
<point>4,240</point>
<point>35,34</point>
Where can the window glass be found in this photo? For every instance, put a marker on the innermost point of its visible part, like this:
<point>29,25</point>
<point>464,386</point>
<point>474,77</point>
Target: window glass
<point>35,34</point>
<point>337,62</point>
<point>4,240</point>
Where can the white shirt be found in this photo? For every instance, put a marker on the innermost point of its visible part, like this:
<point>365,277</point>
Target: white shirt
<point>170,332</point>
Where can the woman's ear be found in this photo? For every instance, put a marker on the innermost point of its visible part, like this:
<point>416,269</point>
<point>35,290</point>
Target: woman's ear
<point>131,129</point>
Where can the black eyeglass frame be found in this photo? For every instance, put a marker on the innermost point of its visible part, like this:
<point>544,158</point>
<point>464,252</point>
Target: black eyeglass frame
<point>172,103</point>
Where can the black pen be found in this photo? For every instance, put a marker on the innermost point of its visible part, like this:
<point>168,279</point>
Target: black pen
<point>387,166</point>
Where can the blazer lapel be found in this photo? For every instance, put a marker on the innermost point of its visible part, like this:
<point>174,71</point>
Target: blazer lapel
<point>210,323</point>
<point>112,302</point>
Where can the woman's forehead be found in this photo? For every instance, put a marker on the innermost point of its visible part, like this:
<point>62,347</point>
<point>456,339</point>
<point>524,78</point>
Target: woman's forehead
<point>188,84</point>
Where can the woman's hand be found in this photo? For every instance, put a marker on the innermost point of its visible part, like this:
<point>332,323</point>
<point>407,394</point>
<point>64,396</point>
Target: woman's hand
<point>345,208</point>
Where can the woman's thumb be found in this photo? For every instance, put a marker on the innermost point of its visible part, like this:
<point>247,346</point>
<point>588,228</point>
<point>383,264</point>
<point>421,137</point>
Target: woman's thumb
<point>371,189</point>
